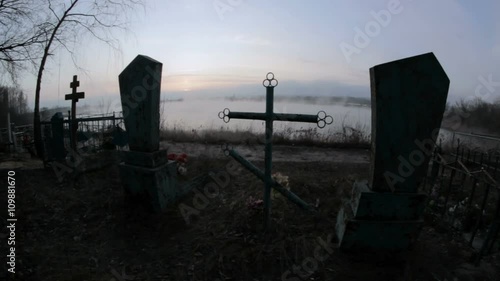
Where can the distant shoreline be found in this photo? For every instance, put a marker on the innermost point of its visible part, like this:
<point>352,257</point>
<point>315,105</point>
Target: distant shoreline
<point>346,101</point>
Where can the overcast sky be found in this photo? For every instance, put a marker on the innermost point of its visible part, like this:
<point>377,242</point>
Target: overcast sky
<point>323,47</point>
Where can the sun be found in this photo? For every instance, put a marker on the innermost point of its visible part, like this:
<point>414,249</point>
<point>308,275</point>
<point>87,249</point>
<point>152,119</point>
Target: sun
<point>186,85</point>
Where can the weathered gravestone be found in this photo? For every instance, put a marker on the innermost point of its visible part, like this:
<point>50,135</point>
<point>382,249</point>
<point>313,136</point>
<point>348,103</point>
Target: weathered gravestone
<point>408,102</point>
<point>56,150</point>
<point>146,174</point>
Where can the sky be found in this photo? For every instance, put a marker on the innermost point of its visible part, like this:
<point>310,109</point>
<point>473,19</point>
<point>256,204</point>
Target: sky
<point>212,48</point>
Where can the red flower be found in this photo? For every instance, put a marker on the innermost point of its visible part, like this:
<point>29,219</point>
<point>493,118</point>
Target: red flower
<point>181,158</point>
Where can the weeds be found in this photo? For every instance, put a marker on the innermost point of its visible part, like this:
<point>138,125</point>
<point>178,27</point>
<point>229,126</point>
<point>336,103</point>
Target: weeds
<point>347,137</point>
<point>473,114</point>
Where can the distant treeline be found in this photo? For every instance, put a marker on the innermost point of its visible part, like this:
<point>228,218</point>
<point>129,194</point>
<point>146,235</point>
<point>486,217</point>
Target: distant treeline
<point>477,115</point>
<point>172,100</point>
<point>348,101</point>
<point>15,102</point>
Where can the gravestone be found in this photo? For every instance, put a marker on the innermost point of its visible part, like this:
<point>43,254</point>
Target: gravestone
<point>146,174</point>
<point>408,102</point>
<point>57,150</point>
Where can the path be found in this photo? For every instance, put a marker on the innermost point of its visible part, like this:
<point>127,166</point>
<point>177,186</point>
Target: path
<point>281,153</point>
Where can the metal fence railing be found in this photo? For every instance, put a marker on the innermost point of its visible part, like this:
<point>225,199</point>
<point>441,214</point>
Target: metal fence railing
<point>487,143</point>
<point>94,133</point>
<point>464,192</point>
<point>20,138</point>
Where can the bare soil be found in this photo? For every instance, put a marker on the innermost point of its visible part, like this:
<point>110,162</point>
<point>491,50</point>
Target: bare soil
<point>83,229</point>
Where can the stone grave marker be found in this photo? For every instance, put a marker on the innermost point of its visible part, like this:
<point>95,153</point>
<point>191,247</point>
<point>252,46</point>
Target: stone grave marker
<point>146,174</point>
<point>408,102</point>
<point>57,150</point>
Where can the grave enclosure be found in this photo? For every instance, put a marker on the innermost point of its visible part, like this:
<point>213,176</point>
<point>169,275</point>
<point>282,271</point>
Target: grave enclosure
<point>67,137</point>
<point>384,213</point>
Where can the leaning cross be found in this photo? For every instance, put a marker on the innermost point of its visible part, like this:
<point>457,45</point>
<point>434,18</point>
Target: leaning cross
<point>74,96</point>
<point>269,117</point>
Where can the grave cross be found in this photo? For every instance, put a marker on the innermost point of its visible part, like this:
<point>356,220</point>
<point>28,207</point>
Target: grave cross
<point>74,96</point>
<point>269,117</point>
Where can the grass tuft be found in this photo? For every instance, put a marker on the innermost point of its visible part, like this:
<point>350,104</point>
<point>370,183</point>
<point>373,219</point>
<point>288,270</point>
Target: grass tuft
<point>346,137</point>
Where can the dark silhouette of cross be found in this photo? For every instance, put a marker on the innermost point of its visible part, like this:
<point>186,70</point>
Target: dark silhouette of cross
<point>74,96</point>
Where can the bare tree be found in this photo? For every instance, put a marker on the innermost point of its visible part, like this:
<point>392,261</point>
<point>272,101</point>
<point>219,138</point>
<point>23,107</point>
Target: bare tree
<point>14,101</point>
<point>20,34</point>
<point>65,24</point>
<point>17,100</point>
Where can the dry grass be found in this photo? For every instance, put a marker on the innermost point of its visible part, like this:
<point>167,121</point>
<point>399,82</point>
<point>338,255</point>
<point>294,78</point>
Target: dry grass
<point>84,230</point>
<point>477,114</point>
<point>347,137</point>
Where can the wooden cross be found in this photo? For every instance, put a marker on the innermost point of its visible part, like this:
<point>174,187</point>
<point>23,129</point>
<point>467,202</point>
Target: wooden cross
<point>74,96</point>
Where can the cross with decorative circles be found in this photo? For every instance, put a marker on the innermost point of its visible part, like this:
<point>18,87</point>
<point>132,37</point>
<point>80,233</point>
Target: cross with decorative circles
<point>321,119</point>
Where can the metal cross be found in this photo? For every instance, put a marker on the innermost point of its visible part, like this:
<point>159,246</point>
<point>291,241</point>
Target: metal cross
<point>74,96</point>
<point>322,119</point>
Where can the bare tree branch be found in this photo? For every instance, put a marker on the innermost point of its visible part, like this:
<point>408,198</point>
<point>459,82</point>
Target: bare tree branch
<point>32,30</point>
<point>97,18</point>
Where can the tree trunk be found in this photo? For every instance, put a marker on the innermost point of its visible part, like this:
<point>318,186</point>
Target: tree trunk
<point>37,127</point>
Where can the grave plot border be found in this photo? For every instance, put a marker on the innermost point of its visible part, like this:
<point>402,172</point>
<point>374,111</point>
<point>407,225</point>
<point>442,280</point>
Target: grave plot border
<point>464,191</point>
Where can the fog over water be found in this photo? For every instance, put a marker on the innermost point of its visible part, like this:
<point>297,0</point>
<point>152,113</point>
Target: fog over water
<point>203,114</point>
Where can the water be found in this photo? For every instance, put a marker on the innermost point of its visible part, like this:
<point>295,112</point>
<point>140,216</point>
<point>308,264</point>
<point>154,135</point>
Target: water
<point>203,114</point>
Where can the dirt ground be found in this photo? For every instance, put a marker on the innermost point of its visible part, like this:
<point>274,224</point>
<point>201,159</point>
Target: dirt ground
<point>281,153</point>
<point>83,229</point>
